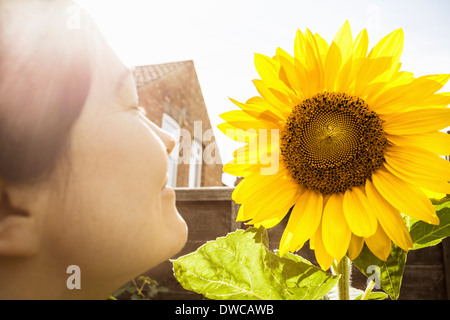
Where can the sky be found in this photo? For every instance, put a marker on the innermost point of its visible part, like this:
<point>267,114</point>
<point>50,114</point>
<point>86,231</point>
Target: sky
<point>221,37</point>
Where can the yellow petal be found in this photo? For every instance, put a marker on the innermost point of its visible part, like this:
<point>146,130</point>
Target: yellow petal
<point>306,62</point>
<point>311,243</point>
<point>240,215</point>
<point>438,186</point>
<point>252,181</point>
<point>417,162</point>
<point>268,69</point>
<point>266,205</point>
<point>240,169</point>
<point>399,78</point>
<point>303,221</point>
<point>416,121</point>
<point>381,63</point>
<point>322,46</point>
<point>277,99</point>
<point>389,218</point>
<point>360,47</point>
<point>268,142</point>
<point>342,82</point>
<point>344,40</point>
<point>248,114</point>
<point>261,206</point>
<point>391,47</point>
<point>437,100</point>
<point>255,181</point>
<point>271,222</point>
<point>379,244</point>
<point>399,98</point>
<point>436,142</point>
<point>332,66</point>
<point>263,153</point>
<point>317,57</point>
<point>336,233</point>
<point>255,125</point>
<point>371,90</point>
<point>358,213</point>
<point>288,72</point>
<point>236,115</point>
<point>243,120</point>
<point>433,195</point>
<point>238,134</point>
<point>355,247</point>
<point>258,104</point>
<point>404,196</point>
<point>322,256</point>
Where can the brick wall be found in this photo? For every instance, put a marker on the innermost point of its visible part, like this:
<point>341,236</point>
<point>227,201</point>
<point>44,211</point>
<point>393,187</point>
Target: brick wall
<point>173,88</point>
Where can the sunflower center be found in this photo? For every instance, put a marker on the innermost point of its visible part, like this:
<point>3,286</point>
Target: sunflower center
<point>332,142</point>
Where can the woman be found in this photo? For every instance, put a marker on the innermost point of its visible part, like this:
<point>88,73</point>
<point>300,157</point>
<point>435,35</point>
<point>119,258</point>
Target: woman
<point>82,170</point>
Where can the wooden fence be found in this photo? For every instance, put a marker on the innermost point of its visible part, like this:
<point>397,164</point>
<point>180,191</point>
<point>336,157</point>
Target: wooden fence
<point>210,213</point>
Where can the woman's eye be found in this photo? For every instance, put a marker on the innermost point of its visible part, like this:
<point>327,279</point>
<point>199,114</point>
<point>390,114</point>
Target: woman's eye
<point>139,109</point>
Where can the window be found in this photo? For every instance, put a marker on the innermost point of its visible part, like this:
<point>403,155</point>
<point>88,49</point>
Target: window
<point>195,165</point>
<point>171,126</point>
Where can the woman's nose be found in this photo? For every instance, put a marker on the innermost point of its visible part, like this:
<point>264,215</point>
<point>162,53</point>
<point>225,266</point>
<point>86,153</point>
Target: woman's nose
<point>167,139</point>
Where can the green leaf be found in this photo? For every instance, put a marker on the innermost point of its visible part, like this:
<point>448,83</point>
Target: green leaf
<point>437,202</point>
<point>294,257</point>
<point>374,296</point>
<point>388,274</point>
<point>355,294</point>
<point>128,287</point>
<point>426,235</point>
<point>240,266</point>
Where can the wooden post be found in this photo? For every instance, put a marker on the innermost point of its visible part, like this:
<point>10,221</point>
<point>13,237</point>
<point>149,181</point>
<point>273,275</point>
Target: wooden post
<point>446,255</point>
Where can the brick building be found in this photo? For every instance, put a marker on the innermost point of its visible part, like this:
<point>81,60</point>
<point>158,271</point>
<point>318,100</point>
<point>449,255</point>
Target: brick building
<point>171,95</point>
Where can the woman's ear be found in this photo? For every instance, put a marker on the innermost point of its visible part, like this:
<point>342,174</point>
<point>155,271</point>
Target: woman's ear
<point>19,231</point>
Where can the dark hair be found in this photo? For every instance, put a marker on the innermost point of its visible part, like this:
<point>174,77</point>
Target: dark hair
<point>45,76</point>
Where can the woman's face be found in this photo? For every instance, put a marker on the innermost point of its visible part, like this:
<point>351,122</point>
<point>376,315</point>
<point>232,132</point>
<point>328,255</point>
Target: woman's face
<point>105,208</point>
<point>117,217</point>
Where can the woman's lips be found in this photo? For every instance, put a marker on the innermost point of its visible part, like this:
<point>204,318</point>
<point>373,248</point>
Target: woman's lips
<point>166,191</point>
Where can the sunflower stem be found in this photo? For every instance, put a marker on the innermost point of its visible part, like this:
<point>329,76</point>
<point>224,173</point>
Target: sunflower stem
<point>343,269</point>
<point>369,288</point>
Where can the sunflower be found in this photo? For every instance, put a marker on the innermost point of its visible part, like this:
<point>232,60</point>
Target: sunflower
<point>354,140</point>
